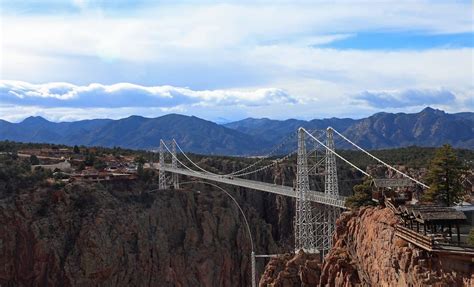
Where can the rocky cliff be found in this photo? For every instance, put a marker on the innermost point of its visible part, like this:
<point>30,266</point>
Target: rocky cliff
<point>90,235</point>
<point>366,252</point>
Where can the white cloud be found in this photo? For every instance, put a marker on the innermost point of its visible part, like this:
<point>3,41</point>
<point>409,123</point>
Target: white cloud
<point>229,54</point>
<point>406,98</point>
<point>131,95</point>
<point>156,33</point>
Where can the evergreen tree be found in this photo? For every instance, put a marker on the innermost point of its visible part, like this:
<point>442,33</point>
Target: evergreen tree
<point>34,160</point>
<point>444,178</point>
<point>470,239</point>
<point>362,195</point>
<point>89,159</point>
<point>76,149</point>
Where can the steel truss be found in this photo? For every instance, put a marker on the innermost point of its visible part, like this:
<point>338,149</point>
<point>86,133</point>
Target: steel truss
<point>325,215</point>
<point>304,220</point>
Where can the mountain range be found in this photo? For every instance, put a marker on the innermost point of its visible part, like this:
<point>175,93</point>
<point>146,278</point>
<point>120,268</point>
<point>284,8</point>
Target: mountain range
<point>429,127</point>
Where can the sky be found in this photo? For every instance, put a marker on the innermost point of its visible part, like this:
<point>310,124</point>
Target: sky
<point>225,61</point>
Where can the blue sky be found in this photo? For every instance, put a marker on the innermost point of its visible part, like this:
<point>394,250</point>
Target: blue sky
<point>69,60</point>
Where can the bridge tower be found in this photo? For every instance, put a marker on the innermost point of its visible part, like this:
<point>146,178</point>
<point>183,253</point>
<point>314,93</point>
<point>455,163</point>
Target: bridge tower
<point>326,215</point>
<point>331,188</point>
<point>304,221</point>
<point>331,183</point>
<point>161,172</point>
<point>174,164</point>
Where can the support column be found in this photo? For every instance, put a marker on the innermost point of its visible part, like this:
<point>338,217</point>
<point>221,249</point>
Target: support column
<point>325,215</point>
<point>254,272</point>
<point>331,188</point>
<point>161,172</point>
<point>304,224</point>
<point>174,164</point>
<point>459,233</point>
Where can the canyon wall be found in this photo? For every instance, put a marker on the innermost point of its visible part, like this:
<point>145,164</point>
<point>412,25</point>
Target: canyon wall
<point>366,252</point>
<point>89,236</point>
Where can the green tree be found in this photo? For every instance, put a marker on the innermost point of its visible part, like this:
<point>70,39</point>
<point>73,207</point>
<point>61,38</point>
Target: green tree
<point>362,196</point>
<point>89,159</point>
<point>81,166</point>
<point>471,237</point>
<point>34,160</point>
<point>99,164</point>
<point>444,178</point>
<point>140,160</point>
<point>76,149</point>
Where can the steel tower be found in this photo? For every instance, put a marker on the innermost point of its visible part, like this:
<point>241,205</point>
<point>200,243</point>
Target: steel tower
<point>174,164</point>
<point>161,172</point>
<point>304,221</point>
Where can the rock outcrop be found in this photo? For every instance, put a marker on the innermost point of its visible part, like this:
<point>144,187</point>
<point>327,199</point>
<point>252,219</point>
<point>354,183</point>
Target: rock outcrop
<point>83,236</point>
<point>366,252</point>
<point>288,270</point>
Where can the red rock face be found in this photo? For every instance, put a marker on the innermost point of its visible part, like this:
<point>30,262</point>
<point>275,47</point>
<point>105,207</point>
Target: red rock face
<point>366,252</point>
<point>92,237</point>
<point>292,270</point>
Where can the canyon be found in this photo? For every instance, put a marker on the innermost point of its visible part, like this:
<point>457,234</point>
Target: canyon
<point>132,234</point>
<point>366,252</point>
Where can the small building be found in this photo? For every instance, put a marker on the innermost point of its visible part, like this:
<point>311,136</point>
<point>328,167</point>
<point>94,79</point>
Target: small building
<point>468,210</point>
<point>436,221</point>
<point>91,176</point>
<point>64,166</point>
<point>398,190</point>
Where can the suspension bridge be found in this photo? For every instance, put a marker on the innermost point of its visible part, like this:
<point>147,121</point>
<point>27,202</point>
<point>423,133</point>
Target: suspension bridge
<point>316,211</point>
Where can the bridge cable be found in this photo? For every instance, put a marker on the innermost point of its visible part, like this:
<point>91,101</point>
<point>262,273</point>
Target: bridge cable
<point>379,160</point>
<point>190,169</point>
<point>209,172</point>
<point>239,172</point>
<point>262,168</point>
<point>336,154</point>
<point>206,171</point>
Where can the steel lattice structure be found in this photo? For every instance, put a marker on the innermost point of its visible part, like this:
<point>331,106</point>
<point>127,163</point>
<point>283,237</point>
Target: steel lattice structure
<point>174,164</point>
<point>161,172</point>
<point>304,221</point>
<point>326,215</point>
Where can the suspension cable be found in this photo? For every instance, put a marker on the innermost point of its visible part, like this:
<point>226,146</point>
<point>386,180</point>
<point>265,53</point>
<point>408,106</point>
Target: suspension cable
<point>254,171</point>
<point>240,172</point>
<point>202,169</point>
<point>282,143</point>
<point>190,169</point>
<point>379,160</point>
<point>336,154</point>
<point>268,165</point>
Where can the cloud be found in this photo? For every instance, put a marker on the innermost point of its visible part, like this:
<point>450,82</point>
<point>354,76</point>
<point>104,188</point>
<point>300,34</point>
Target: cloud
<point>227,54</point>
<point>132,95</point>
<point>406,98</point>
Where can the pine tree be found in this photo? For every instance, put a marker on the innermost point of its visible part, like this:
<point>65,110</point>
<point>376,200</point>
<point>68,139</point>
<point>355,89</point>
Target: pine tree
<point>470,239</point>
<point>34,160</point>
<point>444,178</point>
<point>362,195</point>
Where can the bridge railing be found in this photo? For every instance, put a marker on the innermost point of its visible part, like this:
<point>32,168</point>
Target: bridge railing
<point>421,240</point>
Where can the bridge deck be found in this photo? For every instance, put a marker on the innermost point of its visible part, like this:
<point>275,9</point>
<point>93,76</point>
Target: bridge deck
<point>315,196</point>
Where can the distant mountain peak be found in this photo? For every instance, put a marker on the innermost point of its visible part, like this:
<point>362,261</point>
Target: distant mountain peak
<point>430,110</point>
<point>35,119</point>
<point>429,127</point>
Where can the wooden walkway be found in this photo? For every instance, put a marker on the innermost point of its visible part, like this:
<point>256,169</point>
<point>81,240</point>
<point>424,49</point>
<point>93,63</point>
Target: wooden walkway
<point>429,243</point>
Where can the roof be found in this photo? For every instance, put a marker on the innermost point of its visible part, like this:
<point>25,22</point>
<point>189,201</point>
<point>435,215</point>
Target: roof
<point>432,212</point>
<point>393,182</point>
